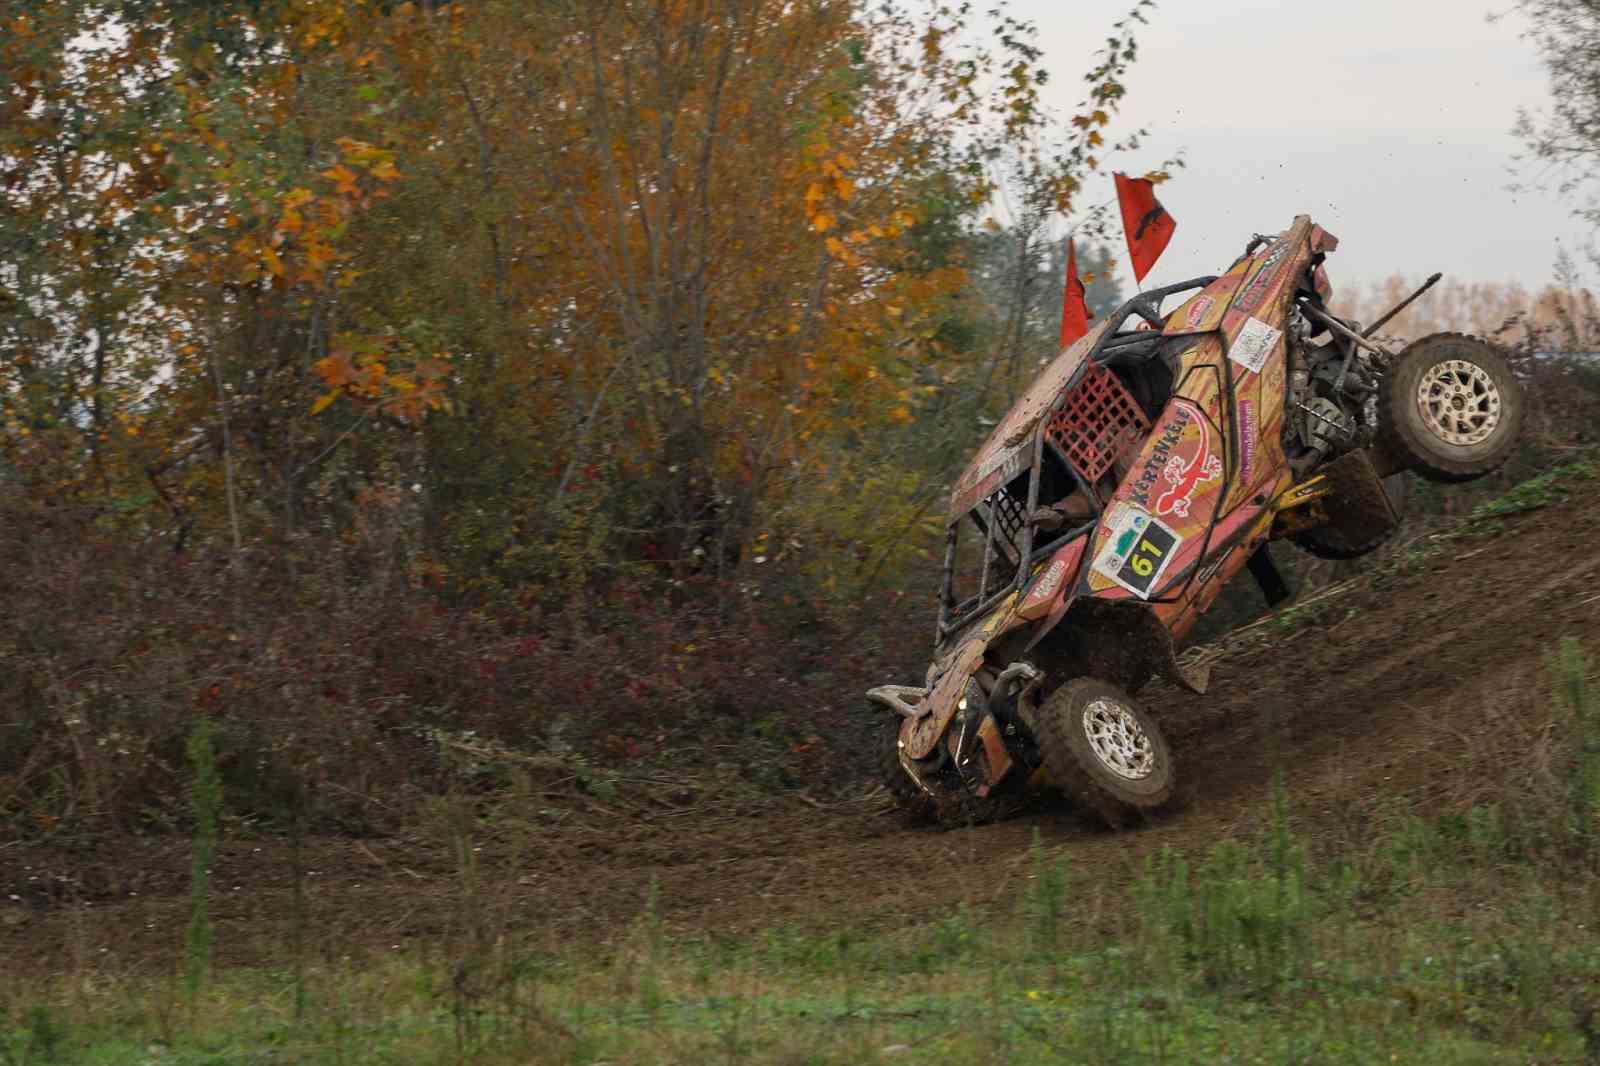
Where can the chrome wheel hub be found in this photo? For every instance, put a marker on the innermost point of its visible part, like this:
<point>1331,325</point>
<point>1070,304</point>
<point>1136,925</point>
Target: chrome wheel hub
<point>1117,740</point>
<point>1459,402</point>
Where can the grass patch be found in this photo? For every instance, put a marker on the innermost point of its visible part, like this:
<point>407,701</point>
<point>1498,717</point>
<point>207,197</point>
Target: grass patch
<point>1468,937</point>
<point>1553,486</point>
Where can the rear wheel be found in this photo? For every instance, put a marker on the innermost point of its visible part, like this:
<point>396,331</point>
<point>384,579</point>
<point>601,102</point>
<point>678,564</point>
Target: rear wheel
<point>1450,408</point>
<point>1103,749</point>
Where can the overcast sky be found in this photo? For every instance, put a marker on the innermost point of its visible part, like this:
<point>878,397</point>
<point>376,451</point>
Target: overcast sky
<point>1388,121</point>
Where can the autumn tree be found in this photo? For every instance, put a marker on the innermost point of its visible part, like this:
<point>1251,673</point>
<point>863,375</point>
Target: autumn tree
<point>543,292</point>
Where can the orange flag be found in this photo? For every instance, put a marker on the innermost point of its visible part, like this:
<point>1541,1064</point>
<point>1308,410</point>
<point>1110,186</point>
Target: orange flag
<point>1074,312</point>
<point>1145,222</point>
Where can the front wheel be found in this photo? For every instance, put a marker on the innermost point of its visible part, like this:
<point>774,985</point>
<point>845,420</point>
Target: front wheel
<point>952,805</point>
<point>915,804</point>
<point>1103,749</point>
<point>1450,408</point>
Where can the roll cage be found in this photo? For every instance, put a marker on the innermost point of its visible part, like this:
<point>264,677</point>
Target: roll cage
<point>1072,450</point>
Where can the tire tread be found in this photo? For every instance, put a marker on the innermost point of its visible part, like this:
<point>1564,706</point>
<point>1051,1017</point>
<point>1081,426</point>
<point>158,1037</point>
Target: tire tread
<point>1052,723</point>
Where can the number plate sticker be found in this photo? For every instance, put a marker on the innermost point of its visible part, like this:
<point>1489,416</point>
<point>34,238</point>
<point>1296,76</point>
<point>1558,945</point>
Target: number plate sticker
<point>1137,551</point>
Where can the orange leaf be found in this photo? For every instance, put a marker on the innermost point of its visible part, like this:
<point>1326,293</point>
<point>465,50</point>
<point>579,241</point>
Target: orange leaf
<point>334,370</point>
<point>343,176</point>
<point>324,401</point>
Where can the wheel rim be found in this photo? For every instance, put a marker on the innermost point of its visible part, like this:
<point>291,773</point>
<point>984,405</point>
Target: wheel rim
<point>1118,740</point>
<point>1459,402</point>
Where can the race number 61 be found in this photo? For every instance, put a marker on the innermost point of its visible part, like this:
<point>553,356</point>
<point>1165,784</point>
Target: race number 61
<point>1143,565</point>
<point>1145,558</point>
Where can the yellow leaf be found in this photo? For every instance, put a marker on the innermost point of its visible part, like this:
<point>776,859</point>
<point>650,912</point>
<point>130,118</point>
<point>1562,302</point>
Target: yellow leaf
<point>845,187</point>
<point>822,222</point>
<point>324,401</point>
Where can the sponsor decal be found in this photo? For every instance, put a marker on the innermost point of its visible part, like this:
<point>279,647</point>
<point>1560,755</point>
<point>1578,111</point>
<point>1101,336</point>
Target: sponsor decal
<point>1172,473</point>
<point>1306,490</point>
<point>1251,295</point>
<point>1137,551</point>
<point>1049,582</point>
<point>1249,432</point>
<point>1253,344</point>
<point>997,460</point>
<point>1010,461</point>
<point>1183,413</point>
<point>1198,310</point>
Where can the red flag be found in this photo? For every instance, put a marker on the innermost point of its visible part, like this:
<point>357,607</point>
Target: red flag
<point>1074,312</point>
<point>1145,222</point>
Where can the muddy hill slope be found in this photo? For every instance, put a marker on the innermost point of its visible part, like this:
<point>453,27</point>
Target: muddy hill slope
<point>1393,686</point>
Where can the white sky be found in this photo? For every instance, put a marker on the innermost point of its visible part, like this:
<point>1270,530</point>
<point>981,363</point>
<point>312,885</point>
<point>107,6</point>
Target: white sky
<point>1386,120</point>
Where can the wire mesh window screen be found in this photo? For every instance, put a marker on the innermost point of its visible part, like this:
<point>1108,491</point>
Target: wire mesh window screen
<point>1096,422</point>
<point>1008,514</point>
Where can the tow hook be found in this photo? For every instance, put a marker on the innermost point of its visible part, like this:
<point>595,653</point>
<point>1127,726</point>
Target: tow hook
<point>908,701</point>
<point>1029,675</point>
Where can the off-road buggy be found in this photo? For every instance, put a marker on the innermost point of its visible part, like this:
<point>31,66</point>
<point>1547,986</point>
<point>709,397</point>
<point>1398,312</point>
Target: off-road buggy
<point>1146,465</point>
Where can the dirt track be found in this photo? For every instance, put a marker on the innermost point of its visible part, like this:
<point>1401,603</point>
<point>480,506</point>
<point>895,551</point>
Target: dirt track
<point>1389,690</point>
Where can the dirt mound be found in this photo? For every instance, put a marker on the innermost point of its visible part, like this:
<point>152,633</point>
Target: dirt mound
<point>1392,687</point>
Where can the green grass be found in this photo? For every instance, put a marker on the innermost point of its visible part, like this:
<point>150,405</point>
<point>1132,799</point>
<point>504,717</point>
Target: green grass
<point>1553,486</point>
<point>1467,937</point>
<point>1438,994</point>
